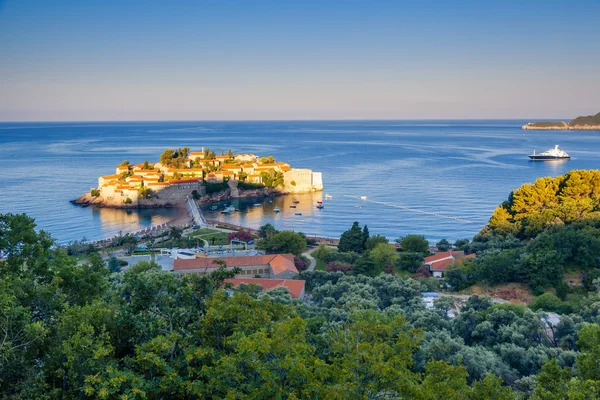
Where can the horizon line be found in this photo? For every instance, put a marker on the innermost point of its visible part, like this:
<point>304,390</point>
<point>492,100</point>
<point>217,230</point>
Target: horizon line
<point>278,120</point>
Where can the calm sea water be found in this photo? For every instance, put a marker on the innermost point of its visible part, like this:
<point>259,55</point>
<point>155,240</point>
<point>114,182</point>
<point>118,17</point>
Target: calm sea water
<point>459,169</point>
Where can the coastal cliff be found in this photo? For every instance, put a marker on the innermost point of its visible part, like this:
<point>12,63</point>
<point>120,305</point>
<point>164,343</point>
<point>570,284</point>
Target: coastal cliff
<point>591,122</point>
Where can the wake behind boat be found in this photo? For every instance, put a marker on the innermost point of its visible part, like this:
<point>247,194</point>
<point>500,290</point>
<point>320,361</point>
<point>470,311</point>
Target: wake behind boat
<point>552,154</point>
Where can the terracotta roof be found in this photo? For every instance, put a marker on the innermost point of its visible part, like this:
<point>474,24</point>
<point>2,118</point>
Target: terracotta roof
<point>278,262</point>
<point>440,255</point>
<point>295,287</point>
<point>442,265</point>
<point>281,264</point>
<point>111,176</point>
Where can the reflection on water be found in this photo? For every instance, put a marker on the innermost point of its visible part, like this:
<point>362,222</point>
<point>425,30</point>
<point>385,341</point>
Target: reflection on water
<point>551,165</point>
<point>113,220</point>
<point>256,212</point>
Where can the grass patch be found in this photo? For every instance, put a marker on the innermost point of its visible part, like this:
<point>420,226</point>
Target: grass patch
<point>202,232</point>
<point>320,263</point>
<point>220,238</point>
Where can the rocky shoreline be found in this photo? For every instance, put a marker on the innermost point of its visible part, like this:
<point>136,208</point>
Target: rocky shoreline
<point>565,127</point>
<point>88,200</point>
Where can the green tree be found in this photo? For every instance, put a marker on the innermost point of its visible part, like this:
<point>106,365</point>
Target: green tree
<point>113,264</point>
<point>374,240</point>
<point>414,244</point>
<point>352,240</point>
<point>385,257</point>
<point>284,242</point>
<point>410,261</point>
<point>588,366</point>
<point>491,388</point>
<point>443,245</point>
<point>267,231</point>
<point>552,382</point>
<point>445,382</point>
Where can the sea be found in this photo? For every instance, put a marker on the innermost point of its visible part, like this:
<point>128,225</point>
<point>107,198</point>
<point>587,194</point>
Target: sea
<point>440,179</point>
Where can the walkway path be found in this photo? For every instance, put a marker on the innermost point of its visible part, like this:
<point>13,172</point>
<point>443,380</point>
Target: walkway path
<point>313,262</point>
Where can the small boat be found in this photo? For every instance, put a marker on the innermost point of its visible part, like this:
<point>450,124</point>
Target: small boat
<point>320,206</point>
<point>356,206</point>
<point>319,202</point>
<point>328,197</point>
<point>552,154</point>
<point>257,205</point>
<point>276,210</point>
<point>363,197</point>
<point>296,201</point>
<point>292,206</point>
<point>297,213</point>
<point>227,210</point>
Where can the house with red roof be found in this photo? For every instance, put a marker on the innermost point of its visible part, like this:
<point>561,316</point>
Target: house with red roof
<point>279,266</point>
<point>294,287</point>
<point>442,260</point>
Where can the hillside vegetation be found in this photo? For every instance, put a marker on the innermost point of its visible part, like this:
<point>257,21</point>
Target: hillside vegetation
<point>548,202</point>
<point>588,120</point>
<point>543,230</point>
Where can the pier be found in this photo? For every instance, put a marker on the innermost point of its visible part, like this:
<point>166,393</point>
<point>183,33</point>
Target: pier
<point>195,213</point>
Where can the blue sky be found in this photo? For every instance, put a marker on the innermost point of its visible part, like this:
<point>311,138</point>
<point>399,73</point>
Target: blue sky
<point>192,60</point>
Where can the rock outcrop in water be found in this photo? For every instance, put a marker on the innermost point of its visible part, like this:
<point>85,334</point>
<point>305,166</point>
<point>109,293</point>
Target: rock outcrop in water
<point>591,122</point>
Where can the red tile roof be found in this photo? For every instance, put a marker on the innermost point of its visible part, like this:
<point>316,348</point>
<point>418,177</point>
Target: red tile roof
<point>295,287</point>
<point>277,262</point>
<point>442,265</point>
<point>440,255</point>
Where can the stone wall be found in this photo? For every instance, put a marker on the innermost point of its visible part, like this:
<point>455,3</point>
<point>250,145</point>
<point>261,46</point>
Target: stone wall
<point>302,181</point>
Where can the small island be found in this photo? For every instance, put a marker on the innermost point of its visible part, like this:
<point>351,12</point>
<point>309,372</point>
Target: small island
<point>591,122</point>
<point>203,176</point>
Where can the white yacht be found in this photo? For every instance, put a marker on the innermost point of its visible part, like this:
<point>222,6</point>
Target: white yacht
<point>552,154</point>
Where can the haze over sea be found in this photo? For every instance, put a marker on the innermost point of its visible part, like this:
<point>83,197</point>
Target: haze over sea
<point>460,169</point>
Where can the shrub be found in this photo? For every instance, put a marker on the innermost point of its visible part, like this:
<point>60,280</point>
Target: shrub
<point>422,272</point>
<point>336,266</point>
<point>241,235</point>
<point>195,195</point>
<point>127,201</point>
<point>95,192</point>
<point>546,302</point>
<point>300,264</point>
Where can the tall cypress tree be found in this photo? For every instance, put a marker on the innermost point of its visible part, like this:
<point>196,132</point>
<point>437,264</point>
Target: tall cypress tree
<point>352,240</point>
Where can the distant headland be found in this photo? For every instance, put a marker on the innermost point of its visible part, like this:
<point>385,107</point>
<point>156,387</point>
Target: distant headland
<point>181,174</point>
<point>591,122</point>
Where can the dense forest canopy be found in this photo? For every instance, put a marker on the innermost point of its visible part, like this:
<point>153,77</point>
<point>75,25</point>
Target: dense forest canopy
<point>86,329</point>
<point>75,330</point>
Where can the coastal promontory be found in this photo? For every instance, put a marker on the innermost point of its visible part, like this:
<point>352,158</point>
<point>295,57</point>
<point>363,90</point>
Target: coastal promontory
<point>590,122</point>
<point>204,176</point>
